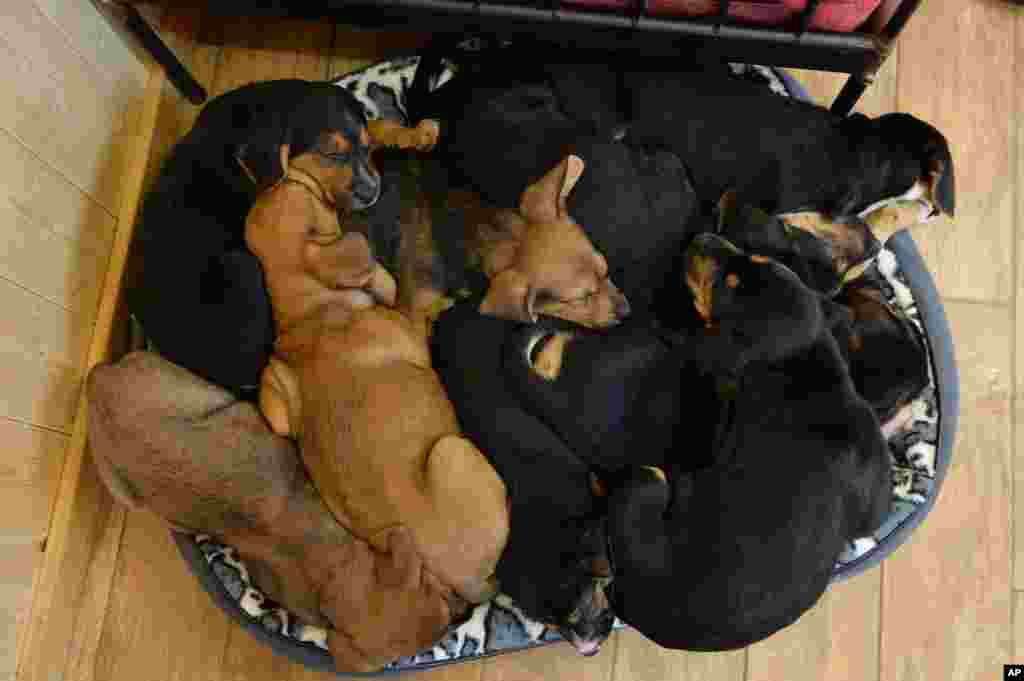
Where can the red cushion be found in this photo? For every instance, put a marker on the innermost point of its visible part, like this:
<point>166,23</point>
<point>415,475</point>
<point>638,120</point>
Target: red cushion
<point>832,15</point>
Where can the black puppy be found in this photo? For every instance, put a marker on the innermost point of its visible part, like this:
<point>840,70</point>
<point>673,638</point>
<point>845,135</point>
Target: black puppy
<point>726,555</point>
<point>618,398</point>
<point>782,154</point>
<point>884,351</point>
<point>554,565</point>
<point>883,348</point>
<point>196,289</point>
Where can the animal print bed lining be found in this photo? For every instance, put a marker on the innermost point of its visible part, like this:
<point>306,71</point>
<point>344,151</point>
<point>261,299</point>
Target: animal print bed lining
<point>498,625</point>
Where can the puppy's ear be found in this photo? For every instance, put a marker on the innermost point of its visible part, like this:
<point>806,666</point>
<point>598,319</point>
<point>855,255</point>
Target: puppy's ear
<point>850,243</point>
<point>545,199</point>
<point>264,163</point>
<point>510,296</point>
<point>727,208</point>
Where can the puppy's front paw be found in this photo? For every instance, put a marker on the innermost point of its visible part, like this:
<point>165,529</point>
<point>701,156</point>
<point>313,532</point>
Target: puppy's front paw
<point>428,132</point>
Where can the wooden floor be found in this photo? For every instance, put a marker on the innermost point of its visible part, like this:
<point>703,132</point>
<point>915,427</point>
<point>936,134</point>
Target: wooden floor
<point>941,608</point>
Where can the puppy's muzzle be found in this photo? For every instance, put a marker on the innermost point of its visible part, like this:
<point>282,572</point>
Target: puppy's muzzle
<point>591,623</point>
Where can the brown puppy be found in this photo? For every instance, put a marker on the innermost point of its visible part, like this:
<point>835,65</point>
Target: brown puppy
<point>166,440</point>
<point>352,381</point>
<point>538,259</point>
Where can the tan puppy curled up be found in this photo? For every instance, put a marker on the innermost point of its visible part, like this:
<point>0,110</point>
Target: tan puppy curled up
<point>165,440</point>
<point>352,381</point>
<point>538,259</point>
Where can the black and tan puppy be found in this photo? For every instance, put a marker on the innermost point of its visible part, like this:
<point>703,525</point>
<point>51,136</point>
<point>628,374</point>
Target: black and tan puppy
<point>884,350</point>
<point>728,554</point>
<point>554,565</point>
<point>190,267</point>
<point>788,156</point>
<point>167,441</point>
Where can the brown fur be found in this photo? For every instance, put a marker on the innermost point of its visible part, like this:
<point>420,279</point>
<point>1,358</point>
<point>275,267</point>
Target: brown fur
<point>190,452</point>
<point>352,381</point>
<point>538,259</point>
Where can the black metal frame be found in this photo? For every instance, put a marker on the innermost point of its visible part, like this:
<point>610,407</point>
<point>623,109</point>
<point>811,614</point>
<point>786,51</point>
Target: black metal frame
<point>631,33</point>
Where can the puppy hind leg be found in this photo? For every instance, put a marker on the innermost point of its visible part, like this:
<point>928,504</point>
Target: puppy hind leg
<point>467,492</point>
<point>281,399</point>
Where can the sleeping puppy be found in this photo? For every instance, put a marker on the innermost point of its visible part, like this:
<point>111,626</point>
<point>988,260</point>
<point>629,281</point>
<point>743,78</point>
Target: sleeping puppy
<point>885,352</point>
<point>190,261</point>
<point>351,380</point>
<point>165,440</point>
<point>554,566</point>
<point>538,259</point>
<point>794,157</point>
<point>599,391</point>
<point>822,252</point>
<point>883,349</point>
<point>728,554</point>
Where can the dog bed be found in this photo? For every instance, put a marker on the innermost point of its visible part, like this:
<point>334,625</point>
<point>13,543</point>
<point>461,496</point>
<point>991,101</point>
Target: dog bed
<point>920,454</point>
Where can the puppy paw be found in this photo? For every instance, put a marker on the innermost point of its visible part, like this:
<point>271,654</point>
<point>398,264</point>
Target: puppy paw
<point>656,472</point>
<point>427,133</point>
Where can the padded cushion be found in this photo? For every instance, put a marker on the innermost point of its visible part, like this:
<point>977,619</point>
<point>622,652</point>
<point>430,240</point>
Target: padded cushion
<point>920,455</point>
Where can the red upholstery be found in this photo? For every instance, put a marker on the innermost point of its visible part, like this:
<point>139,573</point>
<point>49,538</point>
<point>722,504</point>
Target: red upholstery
<point>832,15</point>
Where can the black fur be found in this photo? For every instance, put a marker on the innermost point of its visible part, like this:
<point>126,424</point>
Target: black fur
<point>196,289</point>
<point>555,519</point>
<point>728,554</point>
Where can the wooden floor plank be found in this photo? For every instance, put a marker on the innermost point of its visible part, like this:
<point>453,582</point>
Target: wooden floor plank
<point>1017,111</point>
<point>1018,627</point>
<point>956,71</point>
<point>83,506</point>
<point>80,661</point>
<point>246,659</point>
<point>28,481</point>
<point>879,99</point>
<point>356,47</point>
<point>17,571</point>
<point>160,623</point>
<point>837,639</point>
<point>552,663</point>
<point>309,41</point>
<point>946,592</point>
<point>639,659</point>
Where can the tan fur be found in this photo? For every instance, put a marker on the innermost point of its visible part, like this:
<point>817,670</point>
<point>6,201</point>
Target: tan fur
<point>701,278</point>
<point>378,433</point>
<point>548,364</point>
<point>539,260</point>
<point>203,461</point>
